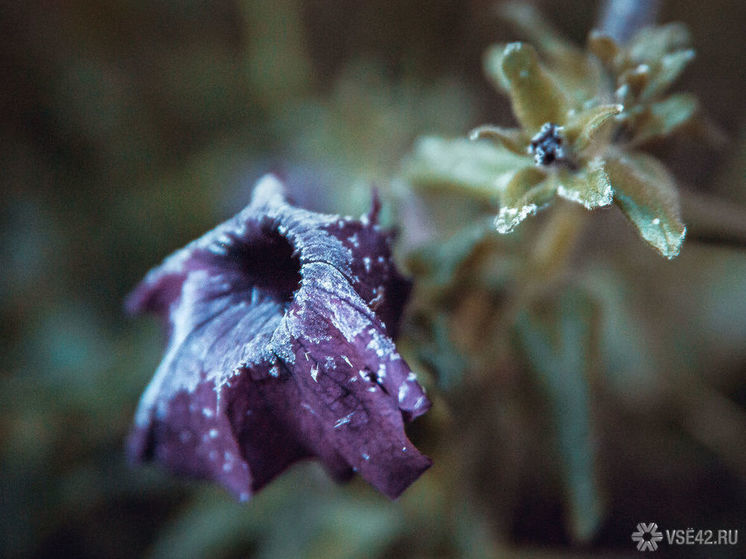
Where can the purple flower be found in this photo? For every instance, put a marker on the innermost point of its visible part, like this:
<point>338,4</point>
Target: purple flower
<point>280,325</point>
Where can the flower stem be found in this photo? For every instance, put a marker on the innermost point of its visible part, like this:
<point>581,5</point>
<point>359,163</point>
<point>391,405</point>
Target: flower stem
<point>556,240</point>
<point>548,262</point>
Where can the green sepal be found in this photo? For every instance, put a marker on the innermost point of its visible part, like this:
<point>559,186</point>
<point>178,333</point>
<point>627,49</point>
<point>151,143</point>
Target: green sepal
<point>536,97</point>
<point>524,195</point>
<point>634,81</point>
<point>513,139</point>
<point>530,21</point>
<point>646,193</point>
<point>479,169</point>
<point>667,72</point>
<point>585,128</point>
<point>653,43</point>
<point>589,187</point>
<point>665,117</point>
<point>606,49</point>
<point>575,73</point>
<point>492,62</point>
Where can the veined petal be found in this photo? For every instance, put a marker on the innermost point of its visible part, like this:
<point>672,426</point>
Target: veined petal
<point>354,384</point>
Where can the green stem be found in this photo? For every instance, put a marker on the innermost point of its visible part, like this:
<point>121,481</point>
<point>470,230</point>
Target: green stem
<point>547,263</point>
<point>556,240</point>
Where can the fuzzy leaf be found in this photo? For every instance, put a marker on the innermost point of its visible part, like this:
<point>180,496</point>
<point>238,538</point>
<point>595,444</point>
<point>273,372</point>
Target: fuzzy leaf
<point>540,31</point>
<point>646,193</point>
<point>667,116</point>
<point>493,67</point>
<point>591,187</point>
<point>530,21</point>
<point>670,68</point>
<point>575,72</point>
<point>653,43</point>
<point>586,127</point>
<point>526,193</point>
<point>605,48</point>
<point>536,97</point>
<point>511,138</point>
<point>633,82</point>
<point>480,169</point>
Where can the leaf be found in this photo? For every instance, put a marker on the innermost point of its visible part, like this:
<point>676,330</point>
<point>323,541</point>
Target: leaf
<point>523,196</point>
<point>492,63</point>
<point>605,48</point>
<point>646,193</point>
<point>633,82</point>
<point>560,345</point>
<point>511,138</point>
<point>586,127</point>
<point>531,22</point>
<point>591,187</point>
<point>665,117</point>
<point>653,43</point>
<point>667,72</point>
<point>577,74</point>
<point>480,169</point>
<point>536,98</point>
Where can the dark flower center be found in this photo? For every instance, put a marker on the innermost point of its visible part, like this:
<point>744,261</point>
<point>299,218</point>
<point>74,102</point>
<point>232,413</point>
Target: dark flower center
<point>546,146</point>
<point>268,263</point>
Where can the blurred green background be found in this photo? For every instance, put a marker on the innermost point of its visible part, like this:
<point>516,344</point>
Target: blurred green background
<point>128,128</point>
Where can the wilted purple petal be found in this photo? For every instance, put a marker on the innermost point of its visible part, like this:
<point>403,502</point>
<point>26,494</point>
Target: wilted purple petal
<point>280,323</point>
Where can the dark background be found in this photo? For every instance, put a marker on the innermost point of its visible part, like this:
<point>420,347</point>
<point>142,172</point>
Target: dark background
<point>129,128</point>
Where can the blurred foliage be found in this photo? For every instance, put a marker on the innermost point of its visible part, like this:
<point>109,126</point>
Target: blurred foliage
<point>581,384</point>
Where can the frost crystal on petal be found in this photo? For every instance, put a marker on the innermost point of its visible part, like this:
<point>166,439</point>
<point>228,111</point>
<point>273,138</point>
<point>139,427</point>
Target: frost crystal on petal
<point>270,317</point>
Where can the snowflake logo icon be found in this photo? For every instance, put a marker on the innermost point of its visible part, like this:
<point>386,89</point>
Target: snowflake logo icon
<point>647,536</point>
